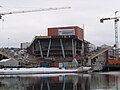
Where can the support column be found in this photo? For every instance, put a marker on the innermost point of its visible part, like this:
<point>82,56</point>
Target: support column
<point>75,47</point>
<point>49,48</point>
<point>33,49</point>
<point>82,53</point>
<point>62,48</point>
<point>73,51</point>
<point>82,48</point>
<point>40,48</point>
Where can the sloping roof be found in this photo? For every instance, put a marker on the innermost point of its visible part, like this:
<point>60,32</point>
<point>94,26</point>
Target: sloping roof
<point>4,60</point>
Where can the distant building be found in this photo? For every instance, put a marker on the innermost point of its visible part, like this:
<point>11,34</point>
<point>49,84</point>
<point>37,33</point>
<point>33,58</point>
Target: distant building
<point>104,46</point>
<point>89,47</point>
<point>24,45</point>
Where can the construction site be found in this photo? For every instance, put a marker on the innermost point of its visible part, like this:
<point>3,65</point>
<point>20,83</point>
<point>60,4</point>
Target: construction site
<point>63,44</point>
<point>66,46</point>
<point>61,47</point>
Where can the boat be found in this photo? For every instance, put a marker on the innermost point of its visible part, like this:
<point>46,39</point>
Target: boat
<point>41,70</point>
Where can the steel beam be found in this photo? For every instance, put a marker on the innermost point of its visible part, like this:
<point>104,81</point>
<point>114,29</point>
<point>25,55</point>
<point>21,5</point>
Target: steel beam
<point>33,49</point>
<point>63,52</point>
<point>73,51</point>
<point>49,48</point>
<point>40,48</point>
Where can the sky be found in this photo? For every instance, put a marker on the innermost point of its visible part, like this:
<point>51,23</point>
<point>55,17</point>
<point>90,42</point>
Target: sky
<point>19,28</point>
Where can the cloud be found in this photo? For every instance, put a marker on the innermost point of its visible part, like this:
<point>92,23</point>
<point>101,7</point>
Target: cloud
<point>85,12</point>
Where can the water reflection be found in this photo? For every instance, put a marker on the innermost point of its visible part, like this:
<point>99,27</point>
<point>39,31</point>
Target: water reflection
<point>94,81</point>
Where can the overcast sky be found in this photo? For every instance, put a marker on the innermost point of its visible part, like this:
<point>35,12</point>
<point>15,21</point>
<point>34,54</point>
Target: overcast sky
<point>18,28</point>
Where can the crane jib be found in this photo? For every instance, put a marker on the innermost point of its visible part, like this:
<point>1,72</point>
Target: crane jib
<point>36,10</point>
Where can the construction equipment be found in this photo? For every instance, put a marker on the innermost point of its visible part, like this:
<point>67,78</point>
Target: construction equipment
<point>27,11</point>
<point>116,19</point>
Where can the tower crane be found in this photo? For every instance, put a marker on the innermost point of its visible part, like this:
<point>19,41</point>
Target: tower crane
<point>36,10</point>
<point>116,19</point>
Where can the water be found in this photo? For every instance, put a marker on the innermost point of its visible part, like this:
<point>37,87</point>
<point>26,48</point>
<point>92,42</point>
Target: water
<point>71,81</point>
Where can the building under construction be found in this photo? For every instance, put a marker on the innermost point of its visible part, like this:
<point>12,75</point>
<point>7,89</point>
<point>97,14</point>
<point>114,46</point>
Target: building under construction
<point>62,43</point>
<point>63,46</point>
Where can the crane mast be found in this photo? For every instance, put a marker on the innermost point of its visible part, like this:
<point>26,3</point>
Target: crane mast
<point>116,29</point>
<point>36,10</point>
<point>116,19</point>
